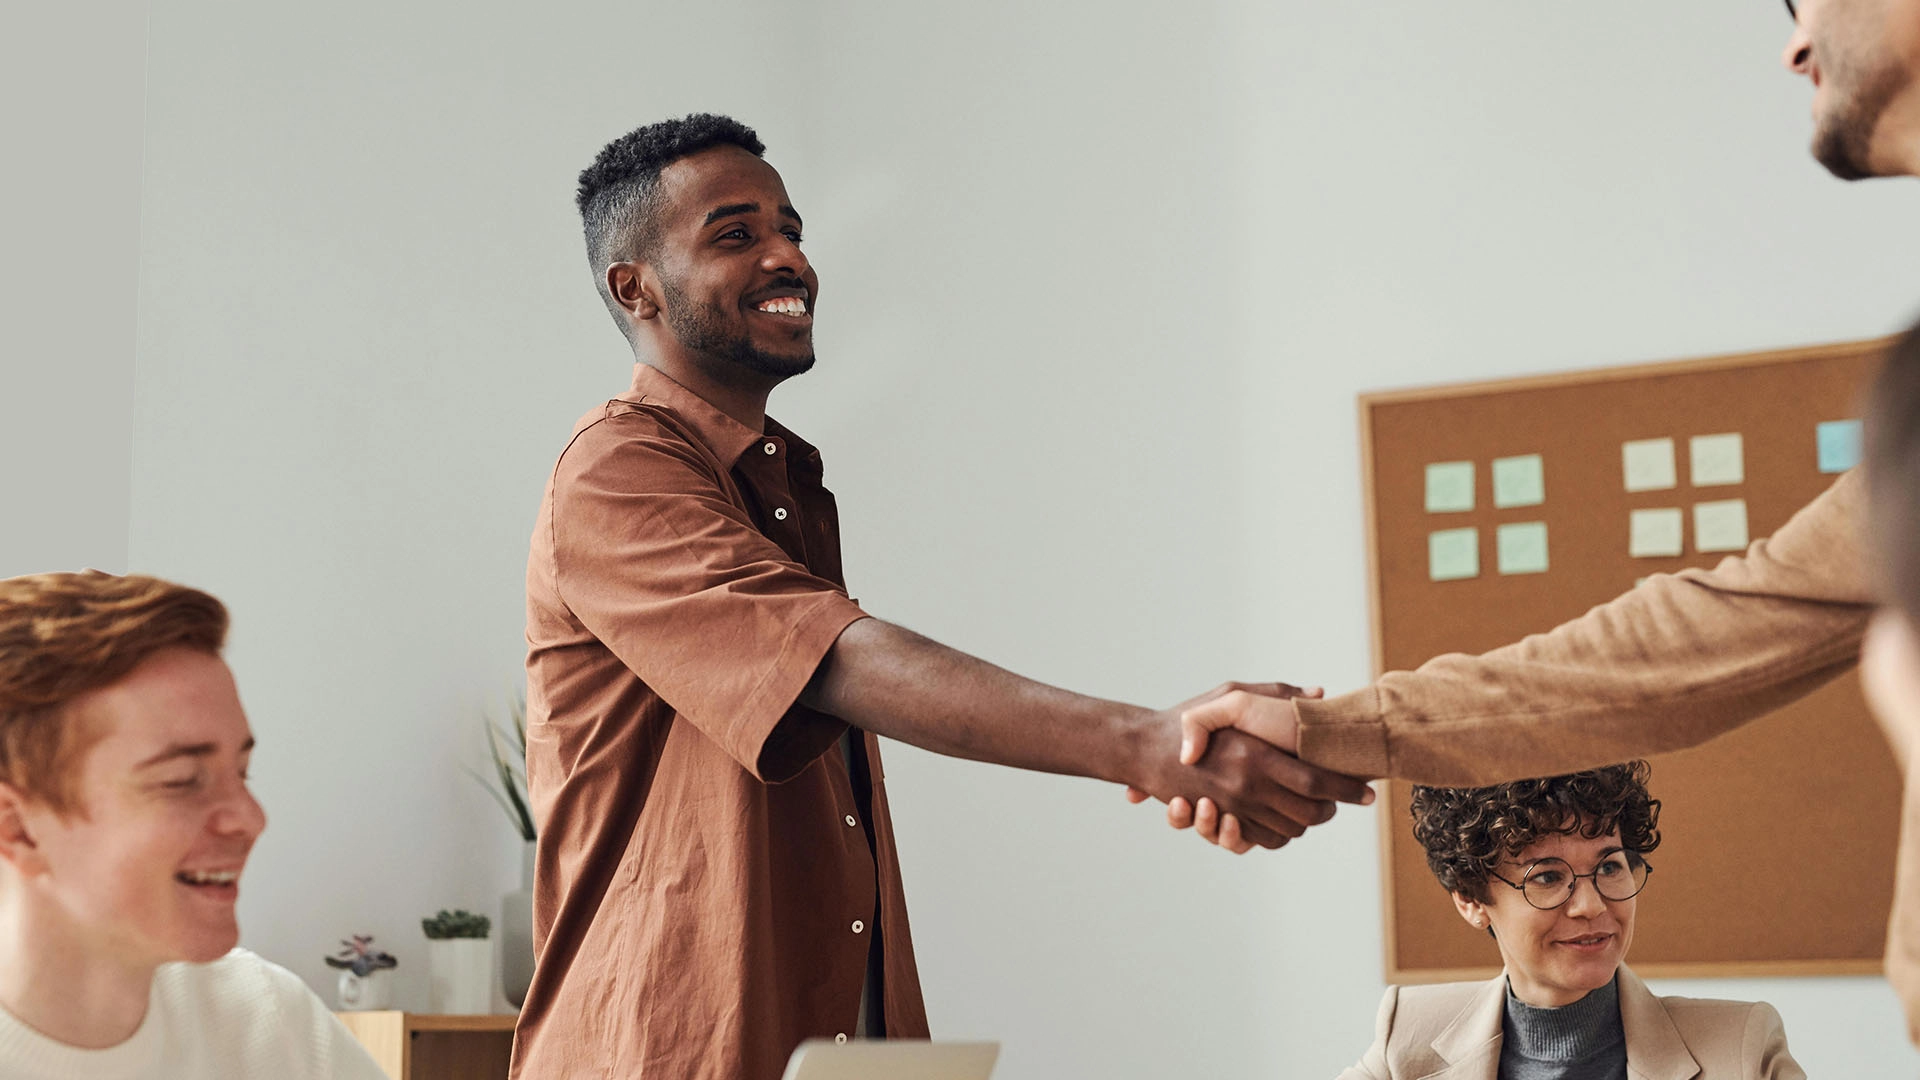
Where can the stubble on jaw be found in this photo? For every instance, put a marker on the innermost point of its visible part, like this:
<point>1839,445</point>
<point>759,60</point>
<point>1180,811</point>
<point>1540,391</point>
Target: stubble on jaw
<point>703,328</point>
<point>1843,141</point>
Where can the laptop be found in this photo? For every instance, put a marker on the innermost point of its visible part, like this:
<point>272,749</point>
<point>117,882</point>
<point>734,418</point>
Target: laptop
<point>892,1059</point>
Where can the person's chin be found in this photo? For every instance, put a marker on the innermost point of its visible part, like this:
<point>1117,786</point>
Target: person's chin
<point>786,361</point>
<point>1840,157</point>
<point>209,925</point>
<point>1854,135</point>
<point>209,943</point>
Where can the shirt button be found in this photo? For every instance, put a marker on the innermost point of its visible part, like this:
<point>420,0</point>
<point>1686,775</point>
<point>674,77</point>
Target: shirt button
<point>840,1038</point>
<point>771,449</point>
<point>779,513</point>
<point>851,822</point>
<point>858,926</point>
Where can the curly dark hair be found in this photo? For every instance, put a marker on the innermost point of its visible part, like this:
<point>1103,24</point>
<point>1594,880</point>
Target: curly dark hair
<point>1467,831</point>
<point>1893,472</point>
<point>616,197</point>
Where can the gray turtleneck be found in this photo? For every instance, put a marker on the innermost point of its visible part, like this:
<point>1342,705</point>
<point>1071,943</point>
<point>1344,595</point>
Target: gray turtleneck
<point>1581,1041</point>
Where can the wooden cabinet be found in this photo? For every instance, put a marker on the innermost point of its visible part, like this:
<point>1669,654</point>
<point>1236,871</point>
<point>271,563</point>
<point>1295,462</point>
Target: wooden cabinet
<point>420,1046</point>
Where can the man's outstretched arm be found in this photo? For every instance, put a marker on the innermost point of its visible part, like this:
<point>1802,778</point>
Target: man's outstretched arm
<point>893,682</point>
<point>1671,664</point>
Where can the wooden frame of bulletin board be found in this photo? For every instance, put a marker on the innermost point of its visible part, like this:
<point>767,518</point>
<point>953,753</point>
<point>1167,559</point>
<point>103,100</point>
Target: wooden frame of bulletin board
<point>1811,788</point>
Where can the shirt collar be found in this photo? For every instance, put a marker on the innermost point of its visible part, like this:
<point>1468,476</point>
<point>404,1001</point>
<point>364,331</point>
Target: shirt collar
<point>728,438</point>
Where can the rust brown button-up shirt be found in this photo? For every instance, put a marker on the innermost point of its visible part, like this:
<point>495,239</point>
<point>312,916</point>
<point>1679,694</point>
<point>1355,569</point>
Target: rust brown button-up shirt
<point>705,890</point>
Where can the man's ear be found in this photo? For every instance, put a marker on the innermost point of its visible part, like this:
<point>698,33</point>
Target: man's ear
<point>1473,911</point>
<point>635,288</point>
<point>17,845</point>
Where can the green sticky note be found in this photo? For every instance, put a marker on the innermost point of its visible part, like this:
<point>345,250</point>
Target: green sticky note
<point>1523,547</point>
<point>1720,526</point>
<point>1519,481</point>
<point>1717,459</point>
<point>1453,554</point>
<point>1654,533</point>
<point>1449,487</point>
<point>1648,464</point>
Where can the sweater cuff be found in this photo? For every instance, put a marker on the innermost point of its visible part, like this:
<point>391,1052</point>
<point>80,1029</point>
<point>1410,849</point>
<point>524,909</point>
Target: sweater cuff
<point>1346,734</point>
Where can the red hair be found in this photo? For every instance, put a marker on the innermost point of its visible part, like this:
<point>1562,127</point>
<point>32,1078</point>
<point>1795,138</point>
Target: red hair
<point>66,635</point>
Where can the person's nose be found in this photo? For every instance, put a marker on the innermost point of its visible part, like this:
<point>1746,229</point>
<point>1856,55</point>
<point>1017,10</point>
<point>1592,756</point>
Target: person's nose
<point>1586,900</point>
<point>1798,56</point>
<point>240,815</point>
<point>784,257</point>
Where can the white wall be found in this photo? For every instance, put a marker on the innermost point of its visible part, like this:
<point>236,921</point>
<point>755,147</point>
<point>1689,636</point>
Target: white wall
<point>1100,286</point>
<point>69,223</point>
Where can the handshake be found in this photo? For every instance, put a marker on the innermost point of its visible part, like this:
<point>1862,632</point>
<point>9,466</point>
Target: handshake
<point>1237,780</point>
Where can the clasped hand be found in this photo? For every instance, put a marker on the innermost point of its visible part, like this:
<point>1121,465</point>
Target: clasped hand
<point>1237,780</point>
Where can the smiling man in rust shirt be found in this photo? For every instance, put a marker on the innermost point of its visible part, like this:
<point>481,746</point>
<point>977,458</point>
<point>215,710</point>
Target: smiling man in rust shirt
<point>716,877</point>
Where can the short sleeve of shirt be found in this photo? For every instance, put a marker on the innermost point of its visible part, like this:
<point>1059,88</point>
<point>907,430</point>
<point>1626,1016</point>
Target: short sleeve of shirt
<point>655,556</point>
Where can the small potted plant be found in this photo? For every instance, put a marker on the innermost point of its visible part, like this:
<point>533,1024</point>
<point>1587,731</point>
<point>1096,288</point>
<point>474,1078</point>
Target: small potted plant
<point>460,960</point>
<point>366,974</point>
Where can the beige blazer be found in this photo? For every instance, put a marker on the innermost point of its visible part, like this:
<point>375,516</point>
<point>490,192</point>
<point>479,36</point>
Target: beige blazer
<point>1453,1032</point>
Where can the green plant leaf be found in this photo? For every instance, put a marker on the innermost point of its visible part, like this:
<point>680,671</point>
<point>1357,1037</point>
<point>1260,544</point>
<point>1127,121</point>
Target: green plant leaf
<point>509,755</point>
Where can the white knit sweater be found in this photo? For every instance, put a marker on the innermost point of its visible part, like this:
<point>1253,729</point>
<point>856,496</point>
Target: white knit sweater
<point>237,1018</point>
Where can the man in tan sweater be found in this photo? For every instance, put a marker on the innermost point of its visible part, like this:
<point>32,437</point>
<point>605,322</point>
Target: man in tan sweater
<point>1890,663</point>
<point>1685,657</point>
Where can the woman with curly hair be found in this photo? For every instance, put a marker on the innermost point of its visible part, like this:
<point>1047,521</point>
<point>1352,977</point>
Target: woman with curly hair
<point>1553,869</point>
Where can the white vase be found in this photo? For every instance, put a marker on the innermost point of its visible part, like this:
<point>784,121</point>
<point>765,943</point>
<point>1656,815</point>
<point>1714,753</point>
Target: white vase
<point>516,933</point>
<point>461,970</point>
<point>363,993</point>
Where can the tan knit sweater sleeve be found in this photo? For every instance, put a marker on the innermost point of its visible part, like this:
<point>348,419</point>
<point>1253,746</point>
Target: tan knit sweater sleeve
<point>1671,664</point>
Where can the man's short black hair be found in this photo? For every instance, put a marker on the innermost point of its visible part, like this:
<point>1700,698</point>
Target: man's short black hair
<point>617,195</point>
<point>1893,473</point>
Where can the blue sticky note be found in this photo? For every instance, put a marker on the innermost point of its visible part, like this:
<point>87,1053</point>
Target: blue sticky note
<point>1839,442</point>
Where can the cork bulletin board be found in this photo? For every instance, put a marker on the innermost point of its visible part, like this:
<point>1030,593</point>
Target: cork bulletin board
<point>1502,509</point>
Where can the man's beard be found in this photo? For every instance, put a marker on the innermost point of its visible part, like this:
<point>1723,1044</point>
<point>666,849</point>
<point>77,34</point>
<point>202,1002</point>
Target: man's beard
<point>704,328</point>
<point>1843,141</point>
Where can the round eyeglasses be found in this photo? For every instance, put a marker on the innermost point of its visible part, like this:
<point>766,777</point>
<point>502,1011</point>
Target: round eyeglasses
<point>1791,13</point>
<point>1549,883</point>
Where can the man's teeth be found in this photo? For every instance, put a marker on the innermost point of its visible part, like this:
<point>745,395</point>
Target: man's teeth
<point>209,877</point>
<point>785,305</point>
